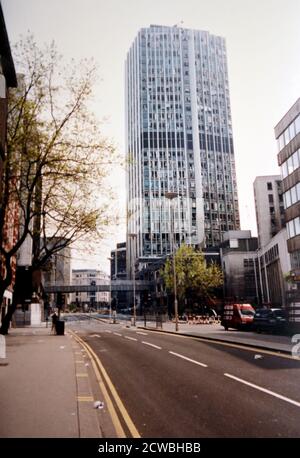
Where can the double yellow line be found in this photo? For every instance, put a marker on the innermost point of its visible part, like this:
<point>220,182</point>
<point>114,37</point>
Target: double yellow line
<point>101,375</point>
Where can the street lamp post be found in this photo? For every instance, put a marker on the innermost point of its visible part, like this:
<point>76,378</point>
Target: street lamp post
<point>110,259</point>
<point>133,236</point>
<point>171,196</point>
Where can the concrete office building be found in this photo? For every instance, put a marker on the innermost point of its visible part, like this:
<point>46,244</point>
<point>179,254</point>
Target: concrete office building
<point>274,266</point>
<point>273,260</point>
<point>118,272</point>
<point>57,272</point>
<point>239,257</point>
<point>90,277</point>
<point>179,139</point>
<point>269,207</point>
<point>118,262</point>
<point>287,133</point>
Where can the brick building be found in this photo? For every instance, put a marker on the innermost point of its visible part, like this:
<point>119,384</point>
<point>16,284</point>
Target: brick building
<point>9,213</point>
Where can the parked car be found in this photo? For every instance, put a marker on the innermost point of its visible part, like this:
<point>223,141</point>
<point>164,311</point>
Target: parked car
<point>272,320</point>
<point>237,316</point>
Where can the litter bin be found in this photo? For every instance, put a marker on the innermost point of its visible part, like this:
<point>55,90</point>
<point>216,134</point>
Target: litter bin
<point>60,328</point>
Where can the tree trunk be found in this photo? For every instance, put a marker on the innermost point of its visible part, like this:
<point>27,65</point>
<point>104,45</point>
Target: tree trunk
<point>7,319</point>
<point>4,283</point>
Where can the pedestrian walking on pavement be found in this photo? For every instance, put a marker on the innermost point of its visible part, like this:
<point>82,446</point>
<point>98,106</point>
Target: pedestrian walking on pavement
<point>54,321</point>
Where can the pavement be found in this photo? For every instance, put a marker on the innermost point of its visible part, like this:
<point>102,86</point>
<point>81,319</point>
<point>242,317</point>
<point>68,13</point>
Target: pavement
<point>49,386</point>
<point>272,342</point>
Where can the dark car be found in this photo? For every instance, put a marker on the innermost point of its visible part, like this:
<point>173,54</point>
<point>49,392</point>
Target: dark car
<point>272,320</point>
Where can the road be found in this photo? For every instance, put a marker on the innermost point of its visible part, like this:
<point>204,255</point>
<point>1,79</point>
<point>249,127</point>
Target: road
<point>179,387</point>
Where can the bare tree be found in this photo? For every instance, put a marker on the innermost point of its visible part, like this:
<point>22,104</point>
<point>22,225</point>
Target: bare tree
<point>56,159</point>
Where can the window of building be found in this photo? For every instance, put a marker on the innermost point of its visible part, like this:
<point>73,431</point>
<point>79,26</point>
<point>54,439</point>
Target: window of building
<point>295,160</point>
<point>286,136</point>
<point>291,131</point>
<point>291,229</point>
<point>271,198</point>
<point>290,165</point>
<point>297,225</point>
<point>295,259</point>
<point>293,195</point>
<point>284,170</point>
<point>288,199</point>
<point>297,124</point>
<point>269,186</point>
<point>281,143</point>
<point>233,243</point>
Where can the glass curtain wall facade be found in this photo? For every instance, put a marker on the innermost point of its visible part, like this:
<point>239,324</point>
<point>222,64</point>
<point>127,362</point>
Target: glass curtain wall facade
<point>179,139</point>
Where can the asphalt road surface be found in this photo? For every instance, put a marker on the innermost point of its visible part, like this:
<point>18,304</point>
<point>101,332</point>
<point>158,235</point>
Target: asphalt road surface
<point>179,387</point>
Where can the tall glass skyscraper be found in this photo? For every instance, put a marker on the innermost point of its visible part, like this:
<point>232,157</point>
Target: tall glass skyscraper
<point>179,139</point>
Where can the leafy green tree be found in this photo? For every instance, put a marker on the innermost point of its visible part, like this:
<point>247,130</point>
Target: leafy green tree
<point>192,274</point>
<point>56,161</point>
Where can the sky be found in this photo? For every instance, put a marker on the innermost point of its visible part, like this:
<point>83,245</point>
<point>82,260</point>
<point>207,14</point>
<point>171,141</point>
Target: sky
<point>263,49</point>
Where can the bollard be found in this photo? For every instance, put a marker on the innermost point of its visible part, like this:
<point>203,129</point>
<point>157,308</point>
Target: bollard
<point>3,360</point>
<point>2,347</point>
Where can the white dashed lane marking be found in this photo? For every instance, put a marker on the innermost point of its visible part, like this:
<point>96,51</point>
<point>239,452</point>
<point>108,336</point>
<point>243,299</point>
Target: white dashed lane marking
<point>187,359</point>
<point>264,390</point>
<point>151,345</point>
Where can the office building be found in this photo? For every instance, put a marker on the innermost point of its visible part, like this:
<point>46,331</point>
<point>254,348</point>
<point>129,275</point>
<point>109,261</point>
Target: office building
<point>274,266</point>
<point>287,133</point>
<point>92,298</point>
<point>239,265</point>
<point>118,262</point>
<point>57,272</point>
<point>269,207</point>
<point>118,272</point>
<point>179,140</point>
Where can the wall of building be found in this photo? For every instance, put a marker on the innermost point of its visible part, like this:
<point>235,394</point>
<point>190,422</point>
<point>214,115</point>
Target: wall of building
<point>118,262</point>
<point>179,138</point>
<point>238,254</point>
<point>287,133</point>
<point>269,207</point>
<point>89,277</point>
<point>240,280</point>
<point>57,272</point>
<point>275,265</point>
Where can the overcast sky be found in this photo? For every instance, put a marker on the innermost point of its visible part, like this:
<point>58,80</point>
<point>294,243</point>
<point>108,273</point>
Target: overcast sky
<point>263,51</point>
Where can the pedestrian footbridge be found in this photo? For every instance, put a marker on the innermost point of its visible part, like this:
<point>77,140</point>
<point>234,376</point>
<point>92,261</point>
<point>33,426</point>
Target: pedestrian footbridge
<point>114,286</point>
